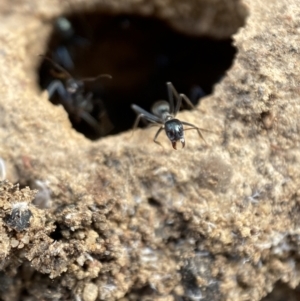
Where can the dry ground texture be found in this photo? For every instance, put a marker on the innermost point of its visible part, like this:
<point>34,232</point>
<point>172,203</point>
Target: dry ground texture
<point>135,221</point>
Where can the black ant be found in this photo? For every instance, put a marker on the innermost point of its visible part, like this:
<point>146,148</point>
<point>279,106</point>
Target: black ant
<point>72,94</point>
<point>163,114</point>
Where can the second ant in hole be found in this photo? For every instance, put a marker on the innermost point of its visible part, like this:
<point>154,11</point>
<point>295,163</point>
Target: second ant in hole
<point>72,95</point>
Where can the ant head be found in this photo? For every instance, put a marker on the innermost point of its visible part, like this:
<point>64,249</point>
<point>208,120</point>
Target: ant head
<point>174,131</point>
<point>74,85</point>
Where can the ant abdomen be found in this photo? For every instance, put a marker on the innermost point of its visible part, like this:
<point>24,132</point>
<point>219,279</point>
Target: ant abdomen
<point>160,108</point>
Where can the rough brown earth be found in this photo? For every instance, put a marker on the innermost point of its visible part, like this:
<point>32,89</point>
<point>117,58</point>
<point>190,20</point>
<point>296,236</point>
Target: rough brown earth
<point>124,219</point>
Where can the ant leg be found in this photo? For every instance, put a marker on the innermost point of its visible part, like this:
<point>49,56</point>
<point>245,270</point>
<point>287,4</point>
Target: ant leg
<point>152,125</point>
<point>148,116</point>
<point>144,114</point>
<point>91,121</point>
<point>139,117</point>
<point>179,98</point>
<point>156,136</point>
<point>187,100</point>
<point>137,120</point>
<point>85,103</point>
<point>194,127</point>
<point>203,130</point>
<point>171,91</point>
<point>65,97</point>
<point>174,92</point>
<point>57,86</point>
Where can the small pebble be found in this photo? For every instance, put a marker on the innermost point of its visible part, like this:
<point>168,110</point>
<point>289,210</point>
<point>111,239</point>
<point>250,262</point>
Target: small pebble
<point>90,292</point>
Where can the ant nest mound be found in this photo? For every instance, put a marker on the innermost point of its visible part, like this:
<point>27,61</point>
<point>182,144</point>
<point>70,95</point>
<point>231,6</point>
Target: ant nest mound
<point>122,218</point>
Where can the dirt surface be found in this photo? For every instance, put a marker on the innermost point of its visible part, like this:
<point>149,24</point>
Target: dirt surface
<point>124,219</point>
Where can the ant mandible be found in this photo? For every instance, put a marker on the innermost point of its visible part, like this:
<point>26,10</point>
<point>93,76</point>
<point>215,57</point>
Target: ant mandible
<point>163,114</point>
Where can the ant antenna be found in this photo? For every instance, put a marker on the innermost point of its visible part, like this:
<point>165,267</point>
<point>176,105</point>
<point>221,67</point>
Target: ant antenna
<point>57,66</point>
<point>91,79</point>
<point>88,79</point>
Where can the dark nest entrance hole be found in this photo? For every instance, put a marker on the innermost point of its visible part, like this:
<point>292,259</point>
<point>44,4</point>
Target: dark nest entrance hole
<point>141,54</point>
<point>282,292</point>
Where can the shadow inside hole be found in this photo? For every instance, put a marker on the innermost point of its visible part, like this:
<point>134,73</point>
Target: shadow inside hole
<point>141,54</point>
<point>153,202</point>
<point>282,292</point>
<point>56,234</point>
